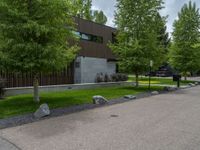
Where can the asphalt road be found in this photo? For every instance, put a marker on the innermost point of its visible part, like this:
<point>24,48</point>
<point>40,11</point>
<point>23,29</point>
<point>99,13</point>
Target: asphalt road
<point>163,122</point>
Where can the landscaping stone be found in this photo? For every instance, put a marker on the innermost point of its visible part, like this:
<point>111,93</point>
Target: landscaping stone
<point>42,111</point>
<point>130,96</point>
<point>155,93</point>
<point>170,88</point>
<point>196,83</point>
<point>191,84</point>
<point>98,99</point>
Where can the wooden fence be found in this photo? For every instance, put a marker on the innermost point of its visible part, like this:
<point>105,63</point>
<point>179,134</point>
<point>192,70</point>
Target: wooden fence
<point>66,76</point>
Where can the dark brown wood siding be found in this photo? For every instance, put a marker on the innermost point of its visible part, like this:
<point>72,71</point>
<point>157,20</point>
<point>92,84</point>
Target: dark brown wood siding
<point>66,76</point>
<point>92,49</point>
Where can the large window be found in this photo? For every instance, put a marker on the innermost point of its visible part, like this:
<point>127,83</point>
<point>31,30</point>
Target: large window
<point>89,37</point>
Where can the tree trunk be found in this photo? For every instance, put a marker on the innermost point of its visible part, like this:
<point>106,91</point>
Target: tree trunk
<point>136,79</point>
<point>185,78</point>
<point>36,97</point>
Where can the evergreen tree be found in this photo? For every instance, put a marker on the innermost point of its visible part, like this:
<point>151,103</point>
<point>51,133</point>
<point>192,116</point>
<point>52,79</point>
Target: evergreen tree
<point>163,35</point>
<point>137,38</point>
<point>184,56</point>
<point>34,36</point>
<point>99,17</point>
<point>84,11</point>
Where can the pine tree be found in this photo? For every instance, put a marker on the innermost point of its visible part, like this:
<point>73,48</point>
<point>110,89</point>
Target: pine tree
<point>84,11</point>
<point>99,17</point>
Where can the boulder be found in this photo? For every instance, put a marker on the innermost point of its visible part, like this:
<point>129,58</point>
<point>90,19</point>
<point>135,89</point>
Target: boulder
<point>130,97</point>
<point>191,84</point>
<point>196,83</point>
<point>170,89</point>
<point>42,111</point>
<point>98,99</point>
<point>155,93</point>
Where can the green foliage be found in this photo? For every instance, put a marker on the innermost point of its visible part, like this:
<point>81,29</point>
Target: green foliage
<point>138,35</point>
<point>184,55</point>
<point>35,35</point>
<point>84,10</point>
<point>163,35</point>
<point>99,17</point>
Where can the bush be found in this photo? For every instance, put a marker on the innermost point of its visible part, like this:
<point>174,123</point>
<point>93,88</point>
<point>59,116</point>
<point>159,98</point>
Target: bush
<point>119,77</point>
<point>111,78</point>
<point>99,78</point>
<point>106,78</point>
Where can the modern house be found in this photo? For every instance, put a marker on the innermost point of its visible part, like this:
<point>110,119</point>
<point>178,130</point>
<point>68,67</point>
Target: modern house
<point>93,58</point>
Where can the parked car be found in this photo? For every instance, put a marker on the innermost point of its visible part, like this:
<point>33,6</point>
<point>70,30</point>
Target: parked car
<point>163,71</point>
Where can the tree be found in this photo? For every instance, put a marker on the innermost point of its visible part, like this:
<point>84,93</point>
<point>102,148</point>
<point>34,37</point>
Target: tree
<point>184,56</point>
<point>137,38</point>
<point>99,17</point>
<point>163,35</point>
<point>35,36</point>
<point>84,11</point>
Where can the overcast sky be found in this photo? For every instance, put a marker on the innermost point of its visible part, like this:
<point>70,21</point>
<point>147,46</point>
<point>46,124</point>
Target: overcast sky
<point>172,7</point>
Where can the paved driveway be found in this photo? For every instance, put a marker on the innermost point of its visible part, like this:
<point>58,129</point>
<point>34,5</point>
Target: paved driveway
<point>163,122</point>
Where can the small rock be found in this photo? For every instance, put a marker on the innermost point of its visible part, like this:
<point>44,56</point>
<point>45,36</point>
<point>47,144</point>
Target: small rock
<point>42,111</point>
<point>99,100</point>
<point>130,97</point>
<point>155,93</point>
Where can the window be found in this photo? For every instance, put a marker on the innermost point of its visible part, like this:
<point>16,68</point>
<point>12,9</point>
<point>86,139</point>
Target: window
<point>89,37</point>
<point>78,34</point>
<point>86,37</point>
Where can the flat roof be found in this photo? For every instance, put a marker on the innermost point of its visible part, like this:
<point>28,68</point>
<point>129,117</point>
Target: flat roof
<point>96,23</point>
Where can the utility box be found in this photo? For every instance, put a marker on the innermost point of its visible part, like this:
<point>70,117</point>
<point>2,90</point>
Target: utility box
<point>176,78</point>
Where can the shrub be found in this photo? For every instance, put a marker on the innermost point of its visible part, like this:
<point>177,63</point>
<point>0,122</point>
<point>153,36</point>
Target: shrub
<point>111,78</point>
<point>106,78</point>
<point>99,78</point>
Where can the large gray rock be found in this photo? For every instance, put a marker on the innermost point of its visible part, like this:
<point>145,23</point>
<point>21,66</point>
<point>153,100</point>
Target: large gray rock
<point>170,89</point>
<point>42,111</point>
<point>191,84</point>
<point>130,97</point>
<point>98,99</point>
<point>196,83</point>
<point>155,93</point>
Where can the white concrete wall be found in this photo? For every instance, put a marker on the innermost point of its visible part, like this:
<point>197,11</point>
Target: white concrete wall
<point>89,67</point>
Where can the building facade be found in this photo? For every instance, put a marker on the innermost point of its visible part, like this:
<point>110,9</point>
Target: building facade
<point>95,56</point>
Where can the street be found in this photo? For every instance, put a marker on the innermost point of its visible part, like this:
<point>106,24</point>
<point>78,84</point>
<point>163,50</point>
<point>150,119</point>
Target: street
<point>163,122</point>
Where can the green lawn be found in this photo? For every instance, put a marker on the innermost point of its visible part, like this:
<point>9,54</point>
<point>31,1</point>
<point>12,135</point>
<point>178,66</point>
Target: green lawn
<point>158,80</point>
<point>17,105</point>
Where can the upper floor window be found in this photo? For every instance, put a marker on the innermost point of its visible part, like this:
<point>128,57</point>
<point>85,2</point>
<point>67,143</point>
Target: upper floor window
<point>89,37</point>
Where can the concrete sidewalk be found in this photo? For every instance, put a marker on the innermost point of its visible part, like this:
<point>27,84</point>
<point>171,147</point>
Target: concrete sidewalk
<point>162,122</point>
